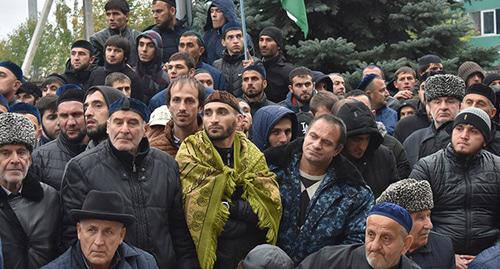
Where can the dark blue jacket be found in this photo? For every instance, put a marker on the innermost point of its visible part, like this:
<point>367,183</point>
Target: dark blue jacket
<point>128,257</point>
<point>264,120</point>
<point>337,212</point>
<point>488,259</point>
<point>213,37</point>
<point>437,253</point>
<point>389,117</point>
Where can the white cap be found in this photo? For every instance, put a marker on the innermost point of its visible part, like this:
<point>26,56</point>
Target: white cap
<point>160,116</point>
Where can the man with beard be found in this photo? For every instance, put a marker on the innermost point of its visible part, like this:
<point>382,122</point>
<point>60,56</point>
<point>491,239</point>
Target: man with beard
<point>184,100</point>
<point>167,26</point>
<point>301,90</point>
<point>47,106</point>
<point>225,181</point>
<point>274,126</point>
<point>80,64</point>
<point>96,105</point>
<point>253,85</point>
<point>50,159</point>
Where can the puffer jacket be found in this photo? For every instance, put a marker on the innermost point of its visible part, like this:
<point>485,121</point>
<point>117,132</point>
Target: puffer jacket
<point>128,257</point>
<point>231,67</point>
<point>337,212</point>
<point>99,39</point>
<point>264,121</point>
<point>50,159</point>
<point>466,194</point>
<point>149,183</point>
<point>38,213</point>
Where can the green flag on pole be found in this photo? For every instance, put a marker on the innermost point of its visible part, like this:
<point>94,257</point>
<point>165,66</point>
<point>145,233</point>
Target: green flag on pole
<point>296,10</point>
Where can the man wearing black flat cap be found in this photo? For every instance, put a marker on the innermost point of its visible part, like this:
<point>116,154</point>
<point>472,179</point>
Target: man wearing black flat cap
<point>80,64</point>
<point>11,78</point>
<point>147,178</point>
<point>101,226</point>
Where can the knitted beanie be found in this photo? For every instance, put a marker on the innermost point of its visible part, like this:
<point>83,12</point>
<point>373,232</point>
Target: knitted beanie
<point>414,195</point>
<point>483,90</point>
<point>444,86</point>
<point>153,35</point>
<point>224,97</point>
<point>468,68</point>
<point>110,94</point>
<point>428,59</point>
<point>276,34</point>
<point>477,118</point>
<point>490,78</point>
<point>16,129</point>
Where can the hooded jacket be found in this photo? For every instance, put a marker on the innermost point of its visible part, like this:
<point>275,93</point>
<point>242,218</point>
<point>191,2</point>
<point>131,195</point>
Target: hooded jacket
<point>293,104</point>
<point>99,39</point>
<point>378,164</point>
<point>78,77</point>
<point>265,119</point>
<point>212,37</point>
<point>154,78</point>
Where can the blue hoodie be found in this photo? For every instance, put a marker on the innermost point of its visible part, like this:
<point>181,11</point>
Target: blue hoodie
<point>264,120</point>
<point>213,37</point>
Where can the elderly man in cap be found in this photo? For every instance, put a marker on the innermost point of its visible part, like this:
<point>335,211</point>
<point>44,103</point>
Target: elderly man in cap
<point>11,78</point>
<point>30,210</point>
<point>387,239</point>
<point>96,106</point>
<point>147,178</point>
<point>466,186</point>
<point>101,227</point>
<point>443,94</point>
<point>429,249</point>
<point>80,64</point>
<point>231,199</point>
<point>50,159</point>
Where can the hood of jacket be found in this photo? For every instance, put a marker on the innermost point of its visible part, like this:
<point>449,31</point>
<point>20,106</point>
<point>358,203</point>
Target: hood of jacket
<point>228,9</point>
<point>359,120</point>
<point>264,120</point>
<point>155,64</point>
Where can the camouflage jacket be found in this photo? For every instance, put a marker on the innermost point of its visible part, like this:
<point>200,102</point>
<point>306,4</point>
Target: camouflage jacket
<point>337,212</point>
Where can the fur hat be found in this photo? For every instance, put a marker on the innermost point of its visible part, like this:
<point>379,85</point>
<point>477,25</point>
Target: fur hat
<point>444,86</point>
<point>468,68</point>
<point>23,108</point>
<point>130,104</point>
<point>14,68</point>
<point>414,195</point>
<point>16,129</point>
<point>477,118</point>
<point>224,97</point>
<point>276,34</point>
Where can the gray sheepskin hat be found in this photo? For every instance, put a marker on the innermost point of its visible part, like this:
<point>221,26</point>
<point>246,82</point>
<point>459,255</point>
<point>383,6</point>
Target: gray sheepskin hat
<point>16,129</point>
<point>414,195</point>
<point>444,86</point>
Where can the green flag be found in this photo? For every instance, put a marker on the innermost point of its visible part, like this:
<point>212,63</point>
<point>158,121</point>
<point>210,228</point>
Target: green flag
<point>296,10</point>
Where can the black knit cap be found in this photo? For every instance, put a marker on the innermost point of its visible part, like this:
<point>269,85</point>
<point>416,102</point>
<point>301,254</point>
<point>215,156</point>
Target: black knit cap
<point>71,95</point>
<point>84,44</point>
<point>117,4</point>
<point>490,78</point>
<point>477,118</point>
<point>428,59</point>
<point>110,94</point>
<point>275,33</point>
<point>483,90</point>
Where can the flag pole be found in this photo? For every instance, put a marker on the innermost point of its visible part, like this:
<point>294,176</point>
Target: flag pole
<point>243,28</point>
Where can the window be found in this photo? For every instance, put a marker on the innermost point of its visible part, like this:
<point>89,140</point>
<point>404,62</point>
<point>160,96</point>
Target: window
<point>486,22</point>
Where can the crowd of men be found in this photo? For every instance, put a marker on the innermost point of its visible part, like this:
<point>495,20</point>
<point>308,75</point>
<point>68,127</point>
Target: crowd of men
<point>169,148</point>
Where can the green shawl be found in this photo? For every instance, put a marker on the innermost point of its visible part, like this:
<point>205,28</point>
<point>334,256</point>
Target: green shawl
<point>206,182</point>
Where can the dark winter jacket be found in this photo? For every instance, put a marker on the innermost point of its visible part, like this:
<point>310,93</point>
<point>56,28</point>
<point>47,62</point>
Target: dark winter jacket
<point>128,257</point>
<point>219,83</point>
<point>170,38</point>
<point>277,70</point>
<point>264,121</point>
<point>402,163</point>
<point>254,106</point>
<point>98,77</point>
<point>293,104</point>
<point>50,159</point>
<point>99,39</point>
<point>29,225</point>
<point>77,77</point>
<point>408,125</point>
<point>231,68</point>
<point>466,192</point>
<point>493,145</point>
<point>149,182</point>
<point>346,256</point>
<point>487,259</point>
<point>337,212</point>
<point>212,37</point>
<point>437,253</point>
<point>389,117</point>
<point>426,141</point>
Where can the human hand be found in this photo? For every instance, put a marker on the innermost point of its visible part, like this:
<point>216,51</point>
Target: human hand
<point>462,261</point>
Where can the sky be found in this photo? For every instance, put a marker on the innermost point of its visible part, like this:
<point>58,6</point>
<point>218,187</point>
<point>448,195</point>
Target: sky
<point>15,12</point>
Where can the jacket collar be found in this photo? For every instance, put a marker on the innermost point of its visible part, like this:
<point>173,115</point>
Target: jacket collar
<point>72,147</point>
<point>31,190</point>
<point>128,160</point>
<point>232,58</point>
<point>115,67</point>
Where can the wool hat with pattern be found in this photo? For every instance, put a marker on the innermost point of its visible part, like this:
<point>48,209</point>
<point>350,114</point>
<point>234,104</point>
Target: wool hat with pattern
<point>444,86</point>
<point>16,129</point>
<point>414,195</point>
<point>224,97</point>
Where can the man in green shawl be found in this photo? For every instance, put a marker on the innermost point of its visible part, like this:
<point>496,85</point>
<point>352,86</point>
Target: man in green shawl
<point>231,199</point>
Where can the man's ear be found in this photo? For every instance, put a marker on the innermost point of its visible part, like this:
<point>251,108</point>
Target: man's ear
<point>92,59</point>
<point>264,83</point>
<point>202,50</point>
<point>147,128</point>
<point>407,241</point>
<point>191,72</point>
<point>290,88</point>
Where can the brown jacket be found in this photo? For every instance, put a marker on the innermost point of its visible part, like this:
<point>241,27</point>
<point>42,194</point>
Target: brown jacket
<point>162,138</point>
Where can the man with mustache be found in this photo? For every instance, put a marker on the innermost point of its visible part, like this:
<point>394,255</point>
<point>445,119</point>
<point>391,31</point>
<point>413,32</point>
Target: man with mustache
<point>253,85</point>
<point>147,177</point>
<point>50,159</point>
<point>465,183</point>
<point>184,99</point>
<point>231,199</point>
<point>443,94</point>
<point>301,89</point>
<point>429,249</point>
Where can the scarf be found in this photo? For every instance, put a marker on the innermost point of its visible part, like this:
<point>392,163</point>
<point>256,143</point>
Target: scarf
<point>206,182</point>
